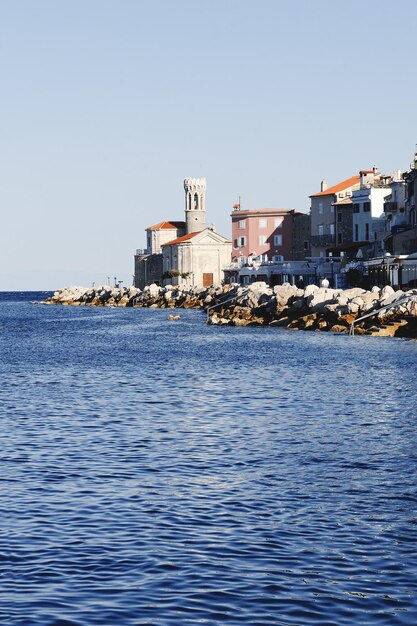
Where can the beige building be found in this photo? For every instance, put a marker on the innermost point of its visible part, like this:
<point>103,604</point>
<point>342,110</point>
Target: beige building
<point>197,258</point>
<point>184,252</point>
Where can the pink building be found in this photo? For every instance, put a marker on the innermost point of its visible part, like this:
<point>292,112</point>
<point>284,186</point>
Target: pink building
<point>265,234</point>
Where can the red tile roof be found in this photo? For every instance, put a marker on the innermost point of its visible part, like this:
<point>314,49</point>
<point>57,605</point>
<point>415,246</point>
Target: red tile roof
<point>166,225</point>
<point>181,239</point>
<point>345,184</point>
<point>257,212</point>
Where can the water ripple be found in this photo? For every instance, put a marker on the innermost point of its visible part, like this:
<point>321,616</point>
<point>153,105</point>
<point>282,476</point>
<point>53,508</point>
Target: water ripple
<point>161,474</point>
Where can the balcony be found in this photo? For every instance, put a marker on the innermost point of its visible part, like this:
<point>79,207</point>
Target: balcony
<point>322,240</point>
<point>390,207</point>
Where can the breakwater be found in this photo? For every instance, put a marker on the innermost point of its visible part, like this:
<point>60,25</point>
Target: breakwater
<point>390,313</point>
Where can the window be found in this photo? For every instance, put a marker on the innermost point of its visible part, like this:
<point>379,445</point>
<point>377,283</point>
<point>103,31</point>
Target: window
<point>320,207</point>
<point>339,216</point>
<point>242,224</point>
<point>355,208</point>
<point>367,232</point>
<point>321,229</point>
<point>332,229</point>
<point>277,240</point>
<point>262,240</point>
<point>332,209</point>
<point>356,232</point>
<point>339,238</point>
<point>242,242</point>
<point>235,244</point>
<point>278,222</point>
<point>262,223</point>
<point>306,245</point>
<point>366,207</point>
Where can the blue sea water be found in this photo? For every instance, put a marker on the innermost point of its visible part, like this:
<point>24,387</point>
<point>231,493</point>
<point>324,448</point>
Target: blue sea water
<point>173,473</point>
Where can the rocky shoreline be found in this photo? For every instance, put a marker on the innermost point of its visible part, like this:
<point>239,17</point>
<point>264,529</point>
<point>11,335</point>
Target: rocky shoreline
<point>312,308</point>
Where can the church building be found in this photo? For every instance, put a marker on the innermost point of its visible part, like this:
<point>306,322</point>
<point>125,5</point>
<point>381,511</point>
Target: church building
<point>184,252</point>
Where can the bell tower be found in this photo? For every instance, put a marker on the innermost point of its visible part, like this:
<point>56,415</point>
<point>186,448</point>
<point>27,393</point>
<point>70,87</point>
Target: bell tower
<point>195,205</point>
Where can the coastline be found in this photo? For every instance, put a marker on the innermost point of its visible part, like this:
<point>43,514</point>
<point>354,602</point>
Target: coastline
<point>386,312</point>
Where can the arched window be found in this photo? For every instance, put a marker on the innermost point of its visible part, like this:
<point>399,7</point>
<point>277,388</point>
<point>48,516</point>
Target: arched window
<point>195,201</point>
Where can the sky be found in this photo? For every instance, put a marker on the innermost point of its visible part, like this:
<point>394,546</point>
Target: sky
<point>107,105</point>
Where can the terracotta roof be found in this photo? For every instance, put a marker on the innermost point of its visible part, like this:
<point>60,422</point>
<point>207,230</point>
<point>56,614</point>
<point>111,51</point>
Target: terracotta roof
<point>166,225</point>
<point>345,184</point>
<point>347,200</point>
<point>256,212</point>
<point>181,239</point>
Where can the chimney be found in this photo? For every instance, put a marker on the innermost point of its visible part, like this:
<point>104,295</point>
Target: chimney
<point>323,185</point>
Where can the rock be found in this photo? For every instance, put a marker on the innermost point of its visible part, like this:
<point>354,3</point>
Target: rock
<point>310,289</point>
<point>338,328</point>
<point>353,307</point>
<point>387,291</point>
<point>260,288</point>
<point>285,305</point>
<point>319,298</point>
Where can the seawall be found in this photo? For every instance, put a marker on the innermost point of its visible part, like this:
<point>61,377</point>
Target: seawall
<point>391,313</point>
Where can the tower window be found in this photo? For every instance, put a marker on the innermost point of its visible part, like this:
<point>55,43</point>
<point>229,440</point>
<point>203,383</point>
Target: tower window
<point>195,201</point>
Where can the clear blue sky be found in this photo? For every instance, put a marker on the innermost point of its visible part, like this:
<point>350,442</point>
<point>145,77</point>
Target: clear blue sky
<point>107,105</point>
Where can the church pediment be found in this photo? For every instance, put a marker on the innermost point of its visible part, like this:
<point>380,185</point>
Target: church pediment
<point>209,236</point>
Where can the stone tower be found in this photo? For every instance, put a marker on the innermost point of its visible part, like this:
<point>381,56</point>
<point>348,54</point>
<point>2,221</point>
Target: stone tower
<point>195,208</point>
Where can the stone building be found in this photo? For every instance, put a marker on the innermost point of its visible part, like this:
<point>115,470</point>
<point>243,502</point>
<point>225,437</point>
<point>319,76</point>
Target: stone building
<point>184,252</point>
<point>301,230</point>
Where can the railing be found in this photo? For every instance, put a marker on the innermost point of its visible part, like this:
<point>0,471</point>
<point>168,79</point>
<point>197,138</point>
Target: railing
<point>141,252</point>
<point>232,266</point>
<point>391,305</point>
<point>322,240</point>
<point>235,297</point>
<point>390,206</point>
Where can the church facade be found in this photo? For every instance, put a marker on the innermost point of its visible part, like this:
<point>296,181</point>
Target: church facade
<point>186,252</point>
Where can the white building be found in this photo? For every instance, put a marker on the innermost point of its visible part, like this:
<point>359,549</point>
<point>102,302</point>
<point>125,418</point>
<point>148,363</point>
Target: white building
<point>198,257</point>
<point>184,252</point>
<point>368,206</point>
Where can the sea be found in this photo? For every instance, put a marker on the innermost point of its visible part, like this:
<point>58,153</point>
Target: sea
<point>173,473</point>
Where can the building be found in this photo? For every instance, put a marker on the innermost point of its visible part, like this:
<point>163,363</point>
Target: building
<point>325,205</point>
<point>267,235</point>
<point>184,252</point>
<point>197,258</point>
<point>403,237</point>
<point>148,262</point>
<point>300,244</point>
<point>369,219</point>
<point>410,179</point>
